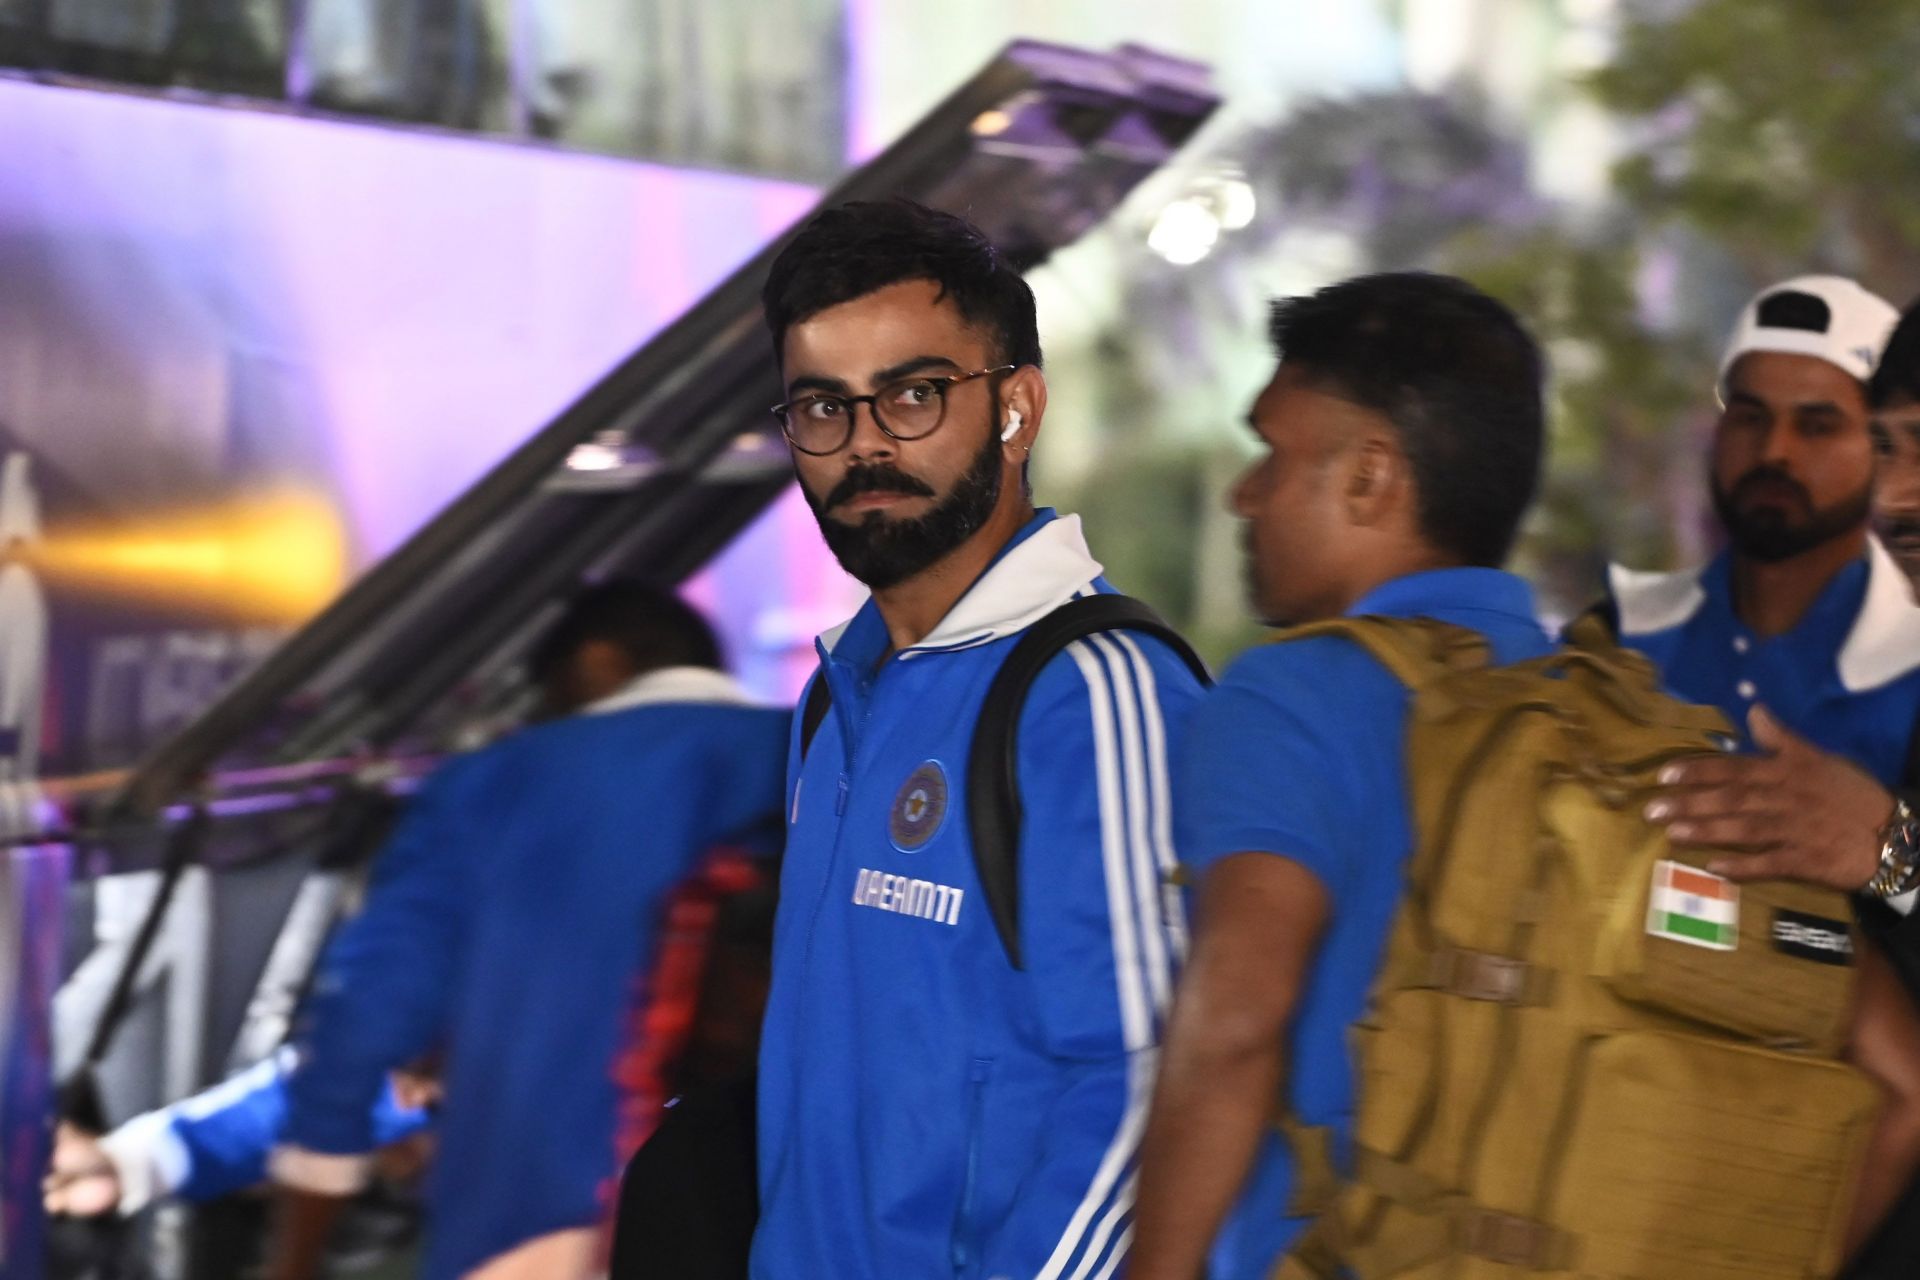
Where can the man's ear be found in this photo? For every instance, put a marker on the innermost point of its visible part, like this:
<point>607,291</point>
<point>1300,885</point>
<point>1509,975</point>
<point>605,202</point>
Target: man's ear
<point>1377,481</point>
<point>1025,393</point>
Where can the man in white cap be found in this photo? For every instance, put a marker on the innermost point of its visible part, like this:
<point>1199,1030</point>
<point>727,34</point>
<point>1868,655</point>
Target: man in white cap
<point>1803,631</point>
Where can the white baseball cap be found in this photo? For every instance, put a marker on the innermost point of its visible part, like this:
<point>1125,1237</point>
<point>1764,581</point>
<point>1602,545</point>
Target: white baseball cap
<point>1829,317</point>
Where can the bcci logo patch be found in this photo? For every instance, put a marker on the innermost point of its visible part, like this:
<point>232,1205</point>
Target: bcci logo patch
<point>919,808</point>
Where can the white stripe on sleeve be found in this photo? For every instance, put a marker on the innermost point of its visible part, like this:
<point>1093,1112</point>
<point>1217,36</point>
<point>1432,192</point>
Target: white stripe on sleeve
<point>1173,909</point>
<point>1145,875</point>
<point>1121,740</point>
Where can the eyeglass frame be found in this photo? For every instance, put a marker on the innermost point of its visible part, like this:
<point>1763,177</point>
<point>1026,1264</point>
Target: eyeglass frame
<point>945,383</point>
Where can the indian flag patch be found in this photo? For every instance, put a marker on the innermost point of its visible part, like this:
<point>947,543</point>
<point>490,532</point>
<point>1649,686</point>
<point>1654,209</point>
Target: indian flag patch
<point>1690,906</point>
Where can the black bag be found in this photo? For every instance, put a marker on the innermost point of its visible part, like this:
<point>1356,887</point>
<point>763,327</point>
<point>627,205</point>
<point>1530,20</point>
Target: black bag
<point>691,1195</point>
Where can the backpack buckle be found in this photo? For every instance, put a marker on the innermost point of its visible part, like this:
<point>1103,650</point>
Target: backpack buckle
<point>1514,1241</point>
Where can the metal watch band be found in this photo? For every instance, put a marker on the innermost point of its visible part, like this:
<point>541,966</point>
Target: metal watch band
<point>1899,869</point>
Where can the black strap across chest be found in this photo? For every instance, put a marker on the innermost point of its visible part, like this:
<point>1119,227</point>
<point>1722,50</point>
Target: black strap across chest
<point>993,758</point>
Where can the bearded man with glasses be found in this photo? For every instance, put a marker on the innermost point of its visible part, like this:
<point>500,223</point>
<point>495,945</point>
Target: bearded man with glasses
<point>948,1085</point>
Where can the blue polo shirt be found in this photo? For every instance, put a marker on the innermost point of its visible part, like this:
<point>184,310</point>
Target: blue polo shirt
<point>1299,752</point>
<point>1846,677</point>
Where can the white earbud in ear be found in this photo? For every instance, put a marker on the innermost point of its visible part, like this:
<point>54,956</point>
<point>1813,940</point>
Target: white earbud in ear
<point>1014,423</point>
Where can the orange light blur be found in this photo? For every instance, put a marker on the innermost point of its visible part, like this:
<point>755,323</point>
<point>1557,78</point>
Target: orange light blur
<point>278,557</point>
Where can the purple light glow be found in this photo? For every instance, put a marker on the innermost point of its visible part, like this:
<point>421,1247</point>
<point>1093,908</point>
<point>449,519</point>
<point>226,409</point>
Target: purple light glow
<point>196,300</point>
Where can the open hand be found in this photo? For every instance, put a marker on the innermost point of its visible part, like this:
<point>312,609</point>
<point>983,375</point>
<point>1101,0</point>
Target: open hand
<point>1798,812</point>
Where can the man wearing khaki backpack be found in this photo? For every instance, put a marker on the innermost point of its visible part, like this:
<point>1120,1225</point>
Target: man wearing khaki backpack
<point>1401,440</point>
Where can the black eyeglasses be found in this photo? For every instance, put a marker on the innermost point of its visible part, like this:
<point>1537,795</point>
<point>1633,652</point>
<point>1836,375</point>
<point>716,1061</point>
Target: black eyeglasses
<point>909,409</point>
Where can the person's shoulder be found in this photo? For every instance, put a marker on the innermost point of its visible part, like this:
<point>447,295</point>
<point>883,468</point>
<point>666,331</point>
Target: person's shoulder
<point>1157,666</point>
<point>1120,668</point>
<point>1322,668</point>
<point>1317,695</point>
<point>666,721</point>
<point>464,772</point>
<point>1900,696</point>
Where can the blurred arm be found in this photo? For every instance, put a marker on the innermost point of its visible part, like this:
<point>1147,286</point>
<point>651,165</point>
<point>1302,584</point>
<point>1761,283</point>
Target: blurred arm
<point>1224,1059</point>
<point>1885,1045</point>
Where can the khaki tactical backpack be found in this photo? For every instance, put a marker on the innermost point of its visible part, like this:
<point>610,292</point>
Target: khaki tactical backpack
<point>1583,1056</point>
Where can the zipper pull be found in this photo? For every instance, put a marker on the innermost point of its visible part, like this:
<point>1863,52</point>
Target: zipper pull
<point>840,801</point>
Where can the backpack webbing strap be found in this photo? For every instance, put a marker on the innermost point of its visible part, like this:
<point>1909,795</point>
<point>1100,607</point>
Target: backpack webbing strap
<point>993,763</point>
<point>1445,1224</point>
<point>1415,650</point>
<point>1316,1175</point>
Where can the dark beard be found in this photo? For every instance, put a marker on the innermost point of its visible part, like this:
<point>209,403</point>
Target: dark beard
<point>882,552</point>
<point>1770,535</point>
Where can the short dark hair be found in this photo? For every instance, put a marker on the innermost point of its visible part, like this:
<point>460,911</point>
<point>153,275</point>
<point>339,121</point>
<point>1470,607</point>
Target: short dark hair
<point>651,625</point>
<point>851,250</point>
<point>1897,375</point>
<point>1457,376</point>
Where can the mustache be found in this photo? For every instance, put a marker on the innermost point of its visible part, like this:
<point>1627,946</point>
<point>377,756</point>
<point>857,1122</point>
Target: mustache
<point>877,477</point>
<point>1768,475</point>
<point>1900,529</point>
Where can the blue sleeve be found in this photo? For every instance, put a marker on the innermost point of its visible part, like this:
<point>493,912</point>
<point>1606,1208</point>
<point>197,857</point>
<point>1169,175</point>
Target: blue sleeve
<point>1102,935</point>
<point>228,1130</point>
<point>380,999</point>
<point>1271,761</point>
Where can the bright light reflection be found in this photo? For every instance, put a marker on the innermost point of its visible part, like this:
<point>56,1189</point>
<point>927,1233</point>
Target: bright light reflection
<point>280,557</point>
<point>1234,199</point>
<point>1184,233</point>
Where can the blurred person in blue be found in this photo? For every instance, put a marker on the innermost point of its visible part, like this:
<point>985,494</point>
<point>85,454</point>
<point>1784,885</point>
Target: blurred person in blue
<point>1804,631</point>
<point>929,1105</point>
<point>1895,395</point>
<point>503,928</point>
<point>1402,439</point>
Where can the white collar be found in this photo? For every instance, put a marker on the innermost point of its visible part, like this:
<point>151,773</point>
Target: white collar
<point>1650,602</point>
<point>1882,646</point>
<point>1049,568</point>
<point>1885,641</point>
<point>673,684</point>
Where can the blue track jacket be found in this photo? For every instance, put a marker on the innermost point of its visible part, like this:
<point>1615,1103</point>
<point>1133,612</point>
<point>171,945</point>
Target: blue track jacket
<point>505,923</point>
<point>925,1109</point>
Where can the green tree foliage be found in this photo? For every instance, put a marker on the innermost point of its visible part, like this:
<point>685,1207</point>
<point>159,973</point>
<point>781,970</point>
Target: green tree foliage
<point>1762,139</point>
<point>1786,133</point>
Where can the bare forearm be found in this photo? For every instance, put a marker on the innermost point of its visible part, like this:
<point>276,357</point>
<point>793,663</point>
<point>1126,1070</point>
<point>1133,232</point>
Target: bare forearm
<point>1213,1106</point>
<point>302,1223</point>
<point>1223,1059</point>
<point>1885,1044</point>
<point>1893,1156</point>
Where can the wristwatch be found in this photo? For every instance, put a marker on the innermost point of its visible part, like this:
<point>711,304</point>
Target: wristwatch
<point>1899,854</point>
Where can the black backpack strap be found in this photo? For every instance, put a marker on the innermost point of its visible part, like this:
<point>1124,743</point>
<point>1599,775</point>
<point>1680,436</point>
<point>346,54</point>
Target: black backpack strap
<point>993,783</point>
<point>80,1098</point>
<point>819,698</point>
